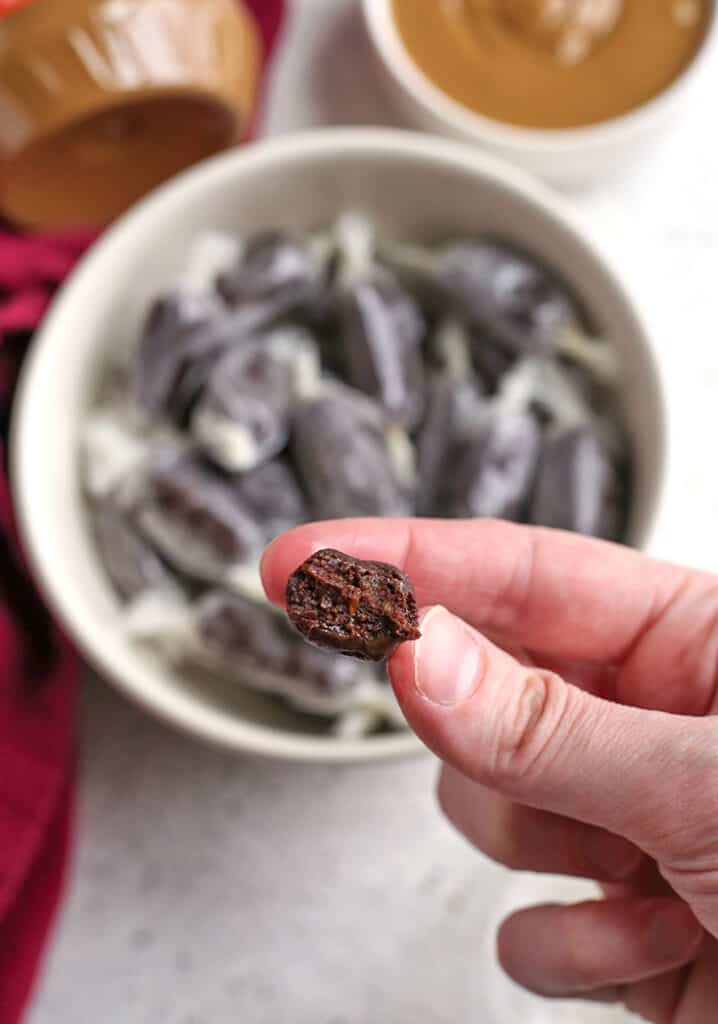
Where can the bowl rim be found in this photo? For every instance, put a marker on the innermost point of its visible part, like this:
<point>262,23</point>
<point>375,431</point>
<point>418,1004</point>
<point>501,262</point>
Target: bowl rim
<point>515,139</point>
<point>219,172</point>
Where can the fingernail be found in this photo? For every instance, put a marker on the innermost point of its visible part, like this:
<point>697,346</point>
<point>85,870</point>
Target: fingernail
<point>672,931</point>
<point>608,856</point>
<point>447,659</point>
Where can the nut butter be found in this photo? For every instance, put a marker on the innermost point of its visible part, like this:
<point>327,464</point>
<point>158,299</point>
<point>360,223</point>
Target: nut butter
<point>552,64</point>
<point>101,100</point>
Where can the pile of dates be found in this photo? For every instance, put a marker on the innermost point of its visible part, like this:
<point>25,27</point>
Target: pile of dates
<point>286,379</point>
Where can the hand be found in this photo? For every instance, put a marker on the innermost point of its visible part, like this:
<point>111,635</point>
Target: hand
<point>586,750</point>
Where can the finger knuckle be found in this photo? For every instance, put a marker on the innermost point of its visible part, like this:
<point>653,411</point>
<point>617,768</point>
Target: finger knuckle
<point>679,829</point>
<point>698,886</point>
<point>530,725</point>
<point>688,681</point>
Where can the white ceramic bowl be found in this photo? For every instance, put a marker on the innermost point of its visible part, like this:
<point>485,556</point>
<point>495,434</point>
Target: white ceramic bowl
<point>416,187</point>
<point>569,158</point>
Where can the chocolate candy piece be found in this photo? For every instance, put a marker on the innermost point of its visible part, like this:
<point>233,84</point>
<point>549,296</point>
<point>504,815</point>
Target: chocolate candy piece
<point>235,630</point>
<point>490,361</point>
<point>183,332</point>
<point>453,411</point>
<point>363,609</point>
<point>191,513</point>
<point>382,331</point>
<point>327,671</point>
<point>184,336</point>
<point>515,302</point>
<point>578,487</point>
<point>463,352</point>
<point>131,564</point>
<point>272,495</point>
<point>253,644</point>
<point>499,290</point>
<point>493,475</point>
<point>233,627</point>
<point>242,418</point>
<point>341,449</point>
<point>271,269</point>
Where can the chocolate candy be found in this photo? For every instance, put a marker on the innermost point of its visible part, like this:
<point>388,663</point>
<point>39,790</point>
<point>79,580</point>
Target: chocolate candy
<point>491,362</point>
<point>513,302</point>
<point>328,671</point>
<point>133,567</point>
<point>233,627</point>
<point>236,636</point>
<point>242,418</point>
<point>181,338</point>
<point>272,269</point>
<point>513,299</point>
<point>382,330</point>
<point>453,412</point>
<point>184,337</point>
<point>341,448</point>
<point>363,609</point>
<point>272,495</point>
<point>578,488</point>
<point>492,475</point>
<point>193,516</point>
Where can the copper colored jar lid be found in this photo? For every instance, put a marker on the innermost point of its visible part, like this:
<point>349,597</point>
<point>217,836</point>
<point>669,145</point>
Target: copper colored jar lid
<point>101,100</point>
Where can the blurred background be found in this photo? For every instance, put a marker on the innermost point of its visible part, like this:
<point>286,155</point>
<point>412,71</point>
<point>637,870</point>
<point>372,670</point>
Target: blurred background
<point>207,888</point>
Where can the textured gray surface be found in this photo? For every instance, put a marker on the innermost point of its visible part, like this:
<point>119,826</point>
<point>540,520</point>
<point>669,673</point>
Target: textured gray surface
<point>209,890</point>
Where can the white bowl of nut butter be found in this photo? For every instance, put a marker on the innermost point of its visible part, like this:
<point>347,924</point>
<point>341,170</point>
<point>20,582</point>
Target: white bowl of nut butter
<point>571,90</point>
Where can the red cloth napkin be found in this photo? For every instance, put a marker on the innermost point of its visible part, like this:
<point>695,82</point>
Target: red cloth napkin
<point>38,667</point>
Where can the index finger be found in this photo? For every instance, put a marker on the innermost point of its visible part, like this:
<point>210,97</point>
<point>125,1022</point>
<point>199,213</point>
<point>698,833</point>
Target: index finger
<point>549,591</point>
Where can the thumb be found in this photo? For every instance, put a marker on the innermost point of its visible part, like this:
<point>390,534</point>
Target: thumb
<point>649,776</point>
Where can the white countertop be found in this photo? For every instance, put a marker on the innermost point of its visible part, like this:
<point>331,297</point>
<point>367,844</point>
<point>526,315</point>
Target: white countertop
<point>209,890</point>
